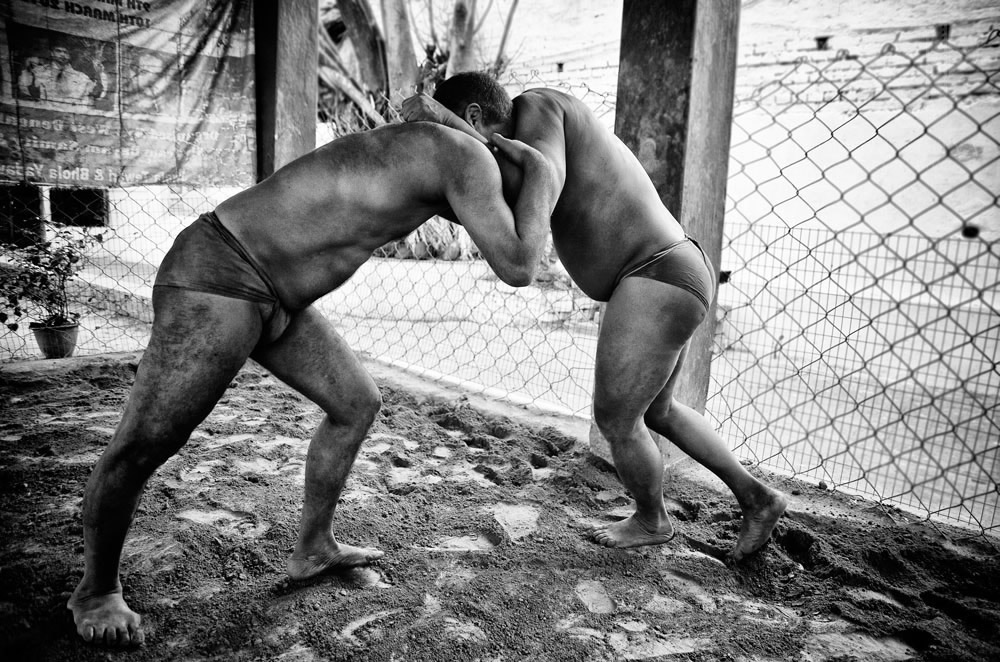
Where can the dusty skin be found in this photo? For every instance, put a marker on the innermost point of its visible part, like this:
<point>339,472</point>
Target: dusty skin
<point>107,620</point>
<point>481,515</point>
<point>607,226</point>
<point>240,283</point>
<point>632,532</point>
<point>341,558</point>
<point>756,528</point>
<point>758,523</point>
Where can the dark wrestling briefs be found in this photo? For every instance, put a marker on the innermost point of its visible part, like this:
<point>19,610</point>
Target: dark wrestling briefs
<point>682,264</point>
<point>206,257</point>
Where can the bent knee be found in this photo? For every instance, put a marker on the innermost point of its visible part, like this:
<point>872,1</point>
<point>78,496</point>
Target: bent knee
<point>612,421</point>
<point>143,451</point>
<point>359,410</point>
<point>370,405</point>
<point>659,416</point>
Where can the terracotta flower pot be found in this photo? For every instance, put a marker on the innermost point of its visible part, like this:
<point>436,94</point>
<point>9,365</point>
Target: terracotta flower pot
<point>56,342</point>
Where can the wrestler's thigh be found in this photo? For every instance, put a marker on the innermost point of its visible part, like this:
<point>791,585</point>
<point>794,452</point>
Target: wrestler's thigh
<point>643,331</point>
<point>198,343</point>
<point>311,357</point>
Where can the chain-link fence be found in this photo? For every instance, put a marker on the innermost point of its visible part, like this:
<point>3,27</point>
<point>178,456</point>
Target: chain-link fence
<point>860,328</point>
<point>858,332</point>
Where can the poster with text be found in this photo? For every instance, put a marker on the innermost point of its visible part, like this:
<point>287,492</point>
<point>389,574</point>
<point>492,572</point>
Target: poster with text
<point>127,92</point>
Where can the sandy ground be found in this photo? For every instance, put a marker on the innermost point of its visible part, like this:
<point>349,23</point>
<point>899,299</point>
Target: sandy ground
<point>480,509</point>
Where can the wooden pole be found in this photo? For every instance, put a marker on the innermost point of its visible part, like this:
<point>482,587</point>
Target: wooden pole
<point>287,88</point>
<point>676,80</point>
<point>706,164</point>
<point>675,105</point>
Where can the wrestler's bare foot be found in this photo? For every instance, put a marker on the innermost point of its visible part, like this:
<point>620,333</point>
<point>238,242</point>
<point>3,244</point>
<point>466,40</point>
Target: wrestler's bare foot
<point>633,532</point>
<point>303,565</point>
<point>106,619</point>
<point>759,521</point>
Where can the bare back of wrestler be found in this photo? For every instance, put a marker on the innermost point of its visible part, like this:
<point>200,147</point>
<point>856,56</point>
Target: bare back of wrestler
<point>315,221</point>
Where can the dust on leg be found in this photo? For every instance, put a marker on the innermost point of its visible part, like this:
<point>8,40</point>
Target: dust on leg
<point>312,358</point>
<point>762,506</point>
<point>161,412</point>
<point>641,341</point>
<point>329,460</point>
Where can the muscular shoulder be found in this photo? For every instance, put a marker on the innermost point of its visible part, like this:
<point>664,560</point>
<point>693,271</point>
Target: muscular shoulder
<point>433,144</point>
<point>434,158</point>
<point>417,147</point>
<point>542,100</point>
<point>541,112</point>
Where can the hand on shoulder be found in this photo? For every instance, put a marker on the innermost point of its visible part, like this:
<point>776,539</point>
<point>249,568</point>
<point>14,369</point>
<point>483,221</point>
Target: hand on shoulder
<point>422,108</point>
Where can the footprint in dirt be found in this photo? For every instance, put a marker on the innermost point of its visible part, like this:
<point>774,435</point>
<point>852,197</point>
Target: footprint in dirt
<point>453,627</point>
<point>150,555</point>
<point>368,626</point>
<point>634,640</point>
<point>403,480</point>
<point>483,541</point>
<point>594,597</point>
<point>692,587</point>
<point>227,522</point>
<point>228,440</point>
<point>359,578</point>
<point>517,521</point>
<point>283,443</point>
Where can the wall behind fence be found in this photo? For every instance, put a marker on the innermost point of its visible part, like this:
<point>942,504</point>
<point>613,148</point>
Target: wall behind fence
<point>860,324</point>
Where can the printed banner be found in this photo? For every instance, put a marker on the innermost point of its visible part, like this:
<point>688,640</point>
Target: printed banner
<point>126,92</point>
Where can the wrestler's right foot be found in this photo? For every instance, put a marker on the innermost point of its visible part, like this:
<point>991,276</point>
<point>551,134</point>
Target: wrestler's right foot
<point>339,557</point>
<point>106,619</point>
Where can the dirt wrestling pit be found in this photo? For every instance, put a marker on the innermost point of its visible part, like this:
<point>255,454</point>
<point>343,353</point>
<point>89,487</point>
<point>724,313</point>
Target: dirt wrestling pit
<point>482,514</point>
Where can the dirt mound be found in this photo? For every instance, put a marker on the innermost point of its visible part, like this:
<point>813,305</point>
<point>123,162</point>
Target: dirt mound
<point>482,521</point>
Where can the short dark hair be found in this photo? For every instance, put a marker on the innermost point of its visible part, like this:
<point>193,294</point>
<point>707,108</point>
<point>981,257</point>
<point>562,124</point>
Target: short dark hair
<point>457,92</point>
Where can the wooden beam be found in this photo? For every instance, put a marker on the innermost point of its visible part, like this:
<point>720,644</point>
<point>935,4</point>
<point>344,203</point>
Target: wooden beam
<point>675,99</point>
<point>676,78</point>
<point>287,88</point>
<point>654,81</point>
<point>706,164</point>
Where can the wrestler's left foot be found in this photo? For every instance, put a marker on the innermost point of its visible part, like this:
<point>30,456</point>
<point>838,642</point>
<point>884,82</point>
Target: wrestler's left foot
<point>633,532</point>
<point>336,558</point>
<point>758,523</point>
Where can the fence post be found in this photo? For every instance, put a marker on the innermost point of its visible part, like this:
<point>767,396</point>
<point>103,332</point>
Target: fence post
<point>676,79</point>
<point>286,56</point>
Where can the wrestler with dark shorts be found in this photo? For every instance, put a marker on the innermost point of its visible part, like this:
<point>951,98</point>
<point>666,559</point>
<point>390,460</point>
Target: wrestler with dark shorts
<point>239,283</point>
<point>620,245</point>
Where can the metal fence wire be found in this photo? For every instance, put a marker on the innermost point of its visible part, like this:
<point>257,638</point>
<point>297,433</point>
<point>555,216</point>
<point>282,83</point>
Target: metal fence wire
<point>857,335</point>
<point>858,343</point>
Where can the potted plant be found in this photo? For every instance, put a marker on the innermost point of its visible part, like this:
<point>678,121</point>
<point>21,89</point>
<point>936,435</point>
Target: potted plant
<point>40,274</point>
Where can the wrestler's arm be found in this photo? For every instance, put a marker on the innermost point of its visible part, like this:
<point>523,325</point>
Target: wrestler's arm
<point>512,239</point>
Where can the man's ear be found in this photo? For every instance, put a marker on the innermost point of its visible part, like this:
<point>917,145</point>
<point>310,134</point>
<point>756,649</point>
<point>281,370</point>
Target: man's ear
<point>473,115</point>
